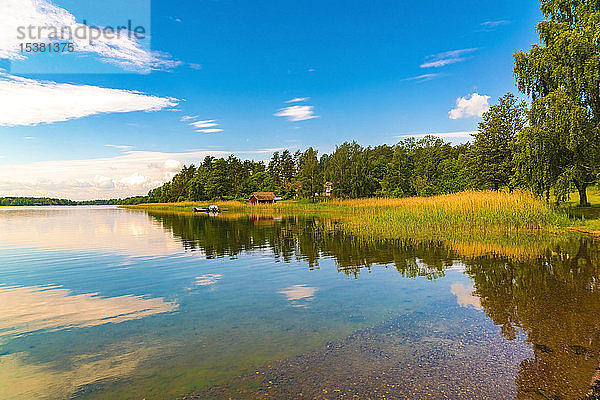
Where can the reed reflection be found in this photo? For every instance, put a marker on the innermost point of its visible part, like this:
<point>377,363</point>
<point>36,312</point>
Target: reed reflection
<point>306,239</point>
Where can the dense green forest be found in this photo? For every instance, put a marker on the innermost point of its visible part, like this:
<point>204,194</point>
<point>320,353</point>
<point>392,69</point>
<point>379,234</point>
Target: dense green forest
<point>425,167</point>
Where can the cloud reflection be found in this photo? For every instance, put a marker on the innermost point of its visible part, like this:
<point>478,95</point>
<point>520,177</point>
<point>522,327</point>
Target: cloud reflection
<point>299,292</point>
<point>465,296</point>
<point>22,379</point>
<point>32,308</point>
<point>208,279</point>
<point>101,229</point>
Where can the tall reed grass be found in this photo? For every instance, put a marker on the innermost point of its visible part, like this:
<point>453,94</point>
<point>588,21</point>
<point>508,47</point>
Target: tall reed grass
<point>476,211</point>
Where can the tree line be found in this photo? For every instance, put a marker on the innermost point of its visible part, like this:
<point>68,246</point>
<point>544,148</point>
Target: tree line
<point>412,167</point>
<point>497,158</point>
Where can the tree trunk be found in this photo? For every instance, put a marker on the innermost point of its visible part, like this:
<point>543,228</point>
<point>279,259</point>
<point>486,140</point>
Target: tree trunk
<point>583,200</point>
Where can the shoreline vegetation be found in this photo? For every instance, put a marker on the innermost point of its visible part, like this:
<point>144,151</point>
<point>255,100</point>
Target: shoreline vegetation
<point>469,213</point>
<point>464,223</point>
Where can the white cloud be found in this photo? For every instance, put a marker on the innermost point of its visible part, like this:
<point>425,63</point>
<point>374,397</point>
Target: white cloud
<point>423,78</point>
<point>120,147</point>
<point>298,100</point>
<point>124,51</point>
<point>29,102</point>
<point>441,63</point>
<point>491,25</point>
<point>28,138</point>
<point>447,58</point>
<point>129,174</point>
<point>188,118</point>
<point>204,124</point>
<point>173,165</point>
<point>466,107</point>
<point>297,113</point>
<point>135,180</point>
<point>174,19</point>
<point>103,182</point>
<point>213,130</point>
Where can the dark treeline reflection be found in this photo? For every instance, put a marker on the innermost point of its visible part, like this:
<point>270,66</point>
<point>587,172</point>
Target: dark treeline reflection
<point>552,296</point>
<point>308,239</point>
<point>555,300</point>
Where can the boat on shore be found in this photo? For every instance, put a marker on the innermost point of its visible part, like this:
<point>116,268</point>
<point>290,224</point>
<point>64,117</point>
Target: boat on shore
<point>212,209</point>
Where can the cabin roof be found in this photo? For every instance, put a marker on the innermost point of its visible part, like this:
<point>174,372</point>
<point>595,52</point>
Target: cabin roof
<point>264,195</point>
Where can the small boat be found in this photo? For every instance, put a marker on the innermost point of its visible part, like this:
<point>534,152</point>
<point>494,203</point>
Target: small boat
<point>212,209</point>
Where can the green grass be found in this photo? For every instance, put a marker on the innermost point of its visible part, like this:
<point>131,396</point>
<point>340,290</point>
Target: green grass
<point>585,217</point>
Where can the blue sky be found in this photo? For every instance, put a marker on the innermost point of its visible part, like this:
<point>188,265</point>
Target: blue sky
<point>365,71</point>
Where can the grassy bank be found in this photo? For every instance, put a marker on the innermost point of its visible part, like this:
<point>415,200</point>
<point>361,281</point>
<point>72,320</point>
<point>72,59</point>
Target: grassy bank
<point>467,212</point>
<point>473,211</point>
<point>586,219</point>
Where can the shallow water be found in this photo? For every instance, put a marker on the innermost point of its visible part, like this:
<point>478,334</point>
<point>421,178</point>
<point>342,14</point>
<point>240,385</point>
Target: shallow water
<point>102,302</point>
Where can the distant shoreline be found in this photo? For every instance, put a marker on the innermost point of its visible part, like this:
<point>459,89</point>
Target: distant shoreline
<point>48,201</point>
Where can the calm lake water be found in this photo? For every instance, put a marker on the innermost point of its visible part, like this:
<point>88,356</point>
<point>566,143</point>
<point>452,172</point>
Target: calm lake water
<point>106,303</point>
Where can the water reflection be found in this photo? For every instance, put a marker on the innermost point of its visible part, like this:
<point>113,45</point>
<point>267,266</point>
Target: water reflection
<point>555,300</point>
<point>24,379</point>
<point>550,293</point>
<point>85,229</point>
<point>208,279</point>
<point>298,295</point>
<point>466,296</point>
<point>306,239</point>
<point>28,309</point>
<point>513,317</point>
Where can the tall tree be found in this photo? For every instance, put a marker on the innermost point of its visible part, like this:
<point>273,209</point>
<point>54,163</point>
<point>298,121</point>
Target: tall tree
<point>349,169</point>
<point>562,74</point>
<point>275,168</point>
<point>398,177</point>
<point>288,166</point>
<point>491,156</point>
<point>429,166</point>
<point>218,182</point>
<point>309,173</point>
